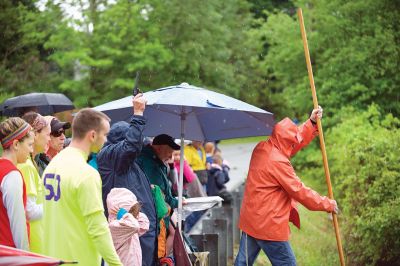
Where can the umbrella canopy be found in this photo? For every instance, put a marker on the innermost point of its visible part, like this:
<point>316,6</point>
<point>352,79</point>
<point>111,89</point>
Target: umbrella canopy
<point>43,103</point>
<point>207,115</point>
<point>189,112</point>
<point>17,257</point>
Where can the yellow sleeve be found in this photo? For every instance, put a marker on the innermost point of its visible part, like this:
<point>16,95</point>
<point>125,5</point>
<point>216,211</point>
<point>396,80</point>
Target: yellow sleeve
<point>89,193</point>
<point>99,233</point>
<point>28,174</point>
<point>188,154</point>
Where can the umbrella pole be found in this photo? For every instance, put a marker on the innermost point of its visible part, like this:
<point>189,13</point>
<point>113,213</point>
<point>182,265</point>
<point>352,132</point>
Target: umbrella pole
<point>321,134</point>
<point>180,180</point>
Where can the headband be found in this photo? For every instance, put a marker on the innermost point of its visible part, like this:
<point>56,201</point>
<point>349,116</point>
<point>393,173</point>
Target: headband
<point>16,135</point>
<point>39,123</point>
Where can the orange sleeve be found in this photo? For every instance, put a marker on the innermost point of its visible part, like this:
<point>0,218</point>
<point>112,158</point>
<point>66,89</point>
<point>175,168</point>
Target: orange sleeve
<point>308,132</point>
<point>291,183</point>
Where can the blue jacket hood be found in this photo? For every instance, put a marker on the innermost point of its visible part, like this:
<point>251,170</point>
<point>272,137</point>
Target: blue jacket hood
<point>117,132</point>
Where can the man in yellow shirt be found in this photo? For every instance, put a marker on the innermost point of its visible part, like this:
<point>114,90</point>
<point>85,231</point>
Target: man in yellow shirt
<point>75,227</point>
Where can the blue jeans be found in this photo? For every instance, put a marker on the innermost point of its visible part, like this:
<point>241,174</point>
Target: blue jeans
<point>278,252</point>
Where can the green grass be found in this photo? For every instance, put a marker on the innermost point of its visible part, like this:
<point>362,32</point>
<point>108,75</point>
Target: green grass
<point>243,140</point>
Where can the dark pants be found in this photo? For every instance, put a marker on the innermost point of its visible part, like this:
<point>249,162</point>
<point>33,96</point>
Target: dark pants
<point>278,252</point>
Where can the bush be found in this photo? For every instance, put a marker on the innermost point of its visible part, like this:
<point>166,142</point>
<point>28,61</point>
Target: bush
<point>365,170</point>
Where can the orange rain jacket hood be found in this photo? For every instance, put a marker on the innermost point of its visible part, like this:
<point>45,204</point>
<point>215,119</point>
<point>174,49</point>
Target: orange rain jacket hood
<point>272,186</point>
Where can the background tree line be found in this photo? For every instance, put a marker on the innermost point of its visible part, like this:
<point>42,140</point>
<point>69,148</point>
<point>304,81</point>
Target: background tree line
<point>251,50</point>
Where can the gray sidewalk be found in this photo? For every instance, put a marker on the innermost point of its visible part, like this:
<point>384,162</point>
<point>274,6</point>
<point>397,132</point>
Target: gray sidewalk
<point>238,157</point>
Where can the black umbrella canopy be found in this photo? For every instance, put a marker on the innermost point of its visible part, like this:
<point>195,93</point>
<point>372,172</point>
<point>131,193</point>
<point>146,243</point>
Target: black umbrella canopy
<point>44,103</point>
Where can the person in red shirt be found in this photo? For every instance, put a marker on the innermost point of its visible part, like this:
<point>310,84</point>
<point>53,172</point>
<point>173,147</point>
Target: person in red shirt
<point>57,136</point>
<point>17,139</point>
<point>272,191</point>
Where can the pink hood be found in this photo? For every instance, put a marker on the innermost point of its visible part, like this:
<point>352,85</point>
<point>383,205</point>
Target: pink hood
<point>126,231</point>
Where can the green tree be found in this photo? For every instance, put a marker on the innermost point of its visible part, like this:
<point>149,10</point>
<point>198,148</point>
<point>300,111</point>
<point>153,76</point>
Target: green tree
<point>283,66</point>
<point>165,40</point>
<point>104,50</point>
<point>94,58</point>
<point>23,65</point>
<point>209,43</point>
<point>359,53</point>
<point>354,49</point>
<point>261,8</point>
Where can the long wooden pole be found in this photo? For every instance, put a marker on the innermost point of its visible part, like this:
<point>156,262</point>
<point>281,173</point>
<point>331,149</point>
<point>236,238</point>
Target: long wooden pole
<point>321,133</point>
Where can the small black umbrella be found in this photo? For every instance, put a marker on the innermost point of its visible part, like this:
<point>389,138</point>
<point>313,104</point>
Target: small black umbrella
<point>43,103</point>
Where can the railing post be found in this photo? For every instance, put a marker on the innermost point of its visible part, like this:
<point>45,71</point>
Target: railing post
<point>207,242</point>
<point>225,213</point>
<point>218,226</point>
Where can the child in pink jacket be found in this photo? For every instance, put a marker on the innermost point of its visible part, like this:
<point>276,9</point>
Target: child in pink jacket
<point>126,224</point>
<point>188,174</point>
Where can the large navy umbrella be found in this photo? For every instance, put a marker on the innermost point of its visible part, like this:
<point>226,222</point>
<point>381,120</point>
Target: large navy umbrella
<point>189,112</point>
<point>43,103</point>
<point>207,115</point>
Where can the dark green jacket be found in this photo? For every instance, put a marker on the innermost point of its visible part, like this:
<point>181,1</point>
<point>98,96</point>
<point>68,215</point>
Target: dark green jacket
<point>156,172</point>
<point>41,161</point>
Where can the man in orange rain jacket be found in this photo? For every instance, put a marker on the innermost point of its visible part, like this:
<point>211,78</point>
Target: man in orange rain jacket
<point>272,191</point>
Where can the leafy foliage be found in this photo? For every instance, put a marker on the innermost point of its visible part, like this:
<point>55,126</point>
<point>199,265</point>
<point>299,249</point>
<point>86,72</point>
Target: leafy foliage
<point>355,51</point>
<point>366,170</point>
<point>363,151</point>
<point>23,66</point>
<point>209,43</point>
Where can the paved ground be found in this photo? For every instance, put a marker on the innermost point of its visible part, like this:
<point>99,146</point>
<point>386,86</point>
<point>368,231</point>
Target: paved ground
<point>238,156</point>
